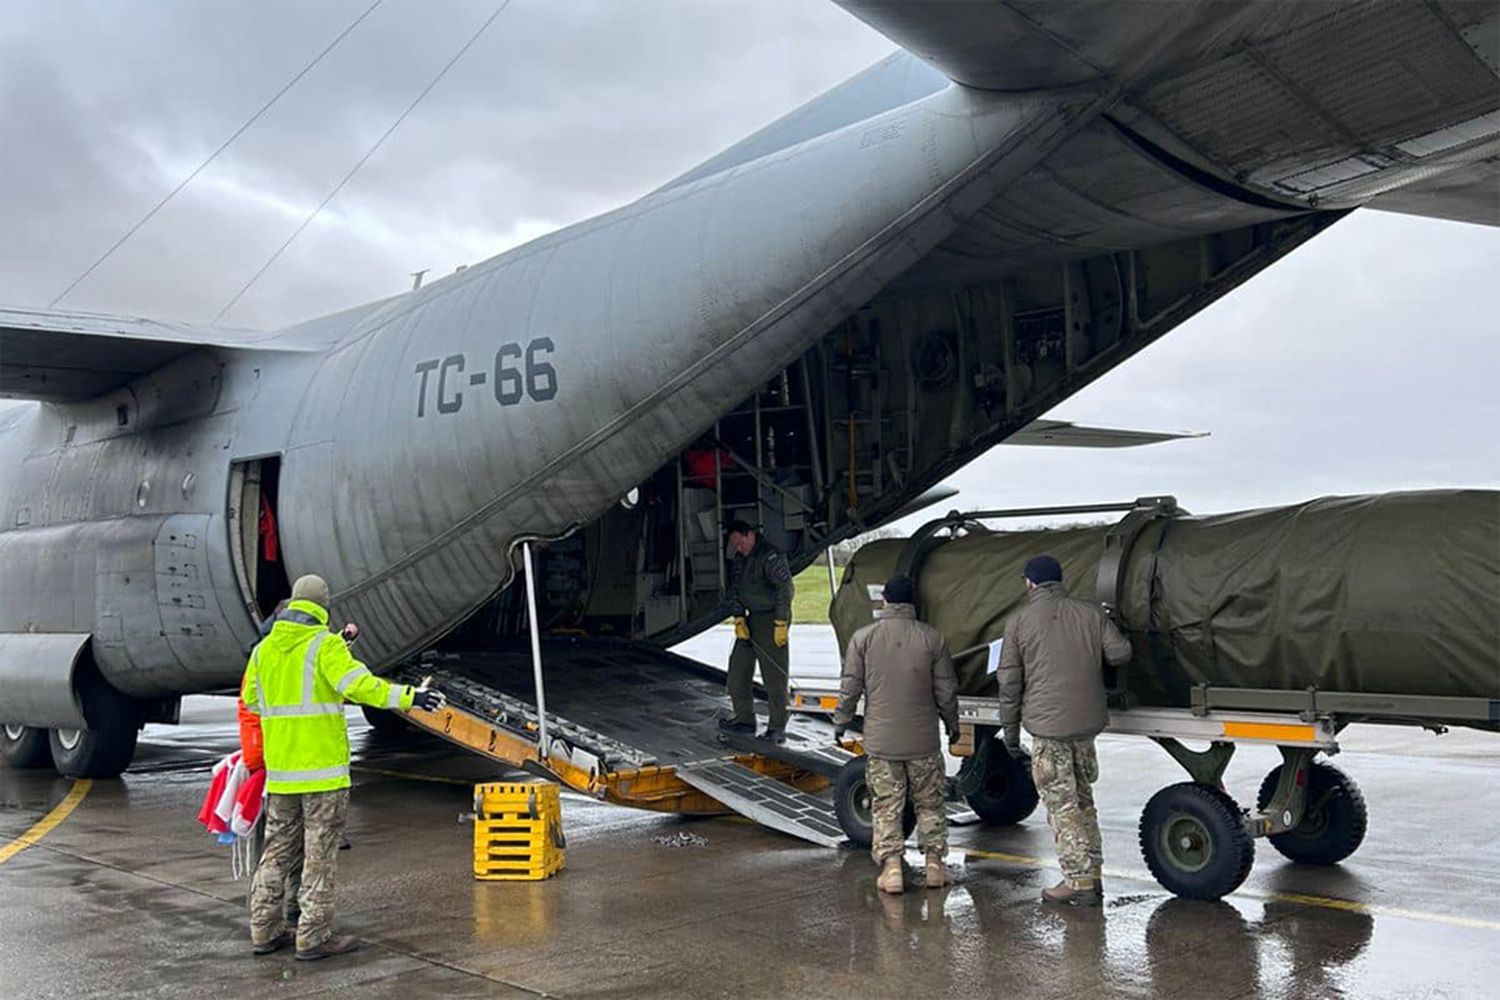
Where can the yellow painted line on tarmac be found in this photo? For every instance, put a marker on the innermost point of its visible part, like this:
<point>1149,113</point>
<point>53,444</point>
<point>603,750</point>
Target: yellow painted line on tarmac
<point>1380,910</point>
<point>1325,902</point>
<point>49,822</point>
<point>1015,859</point>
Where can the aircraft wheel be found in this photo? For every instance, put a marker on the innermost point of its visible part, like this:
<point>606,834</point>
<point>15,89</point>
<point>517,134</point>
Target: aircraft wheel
<point>24,747</point>
<point>105,749</point>
<point>1333,824</point>
<point>1006,794</point>
<point>852,805</point>
<point>387,724</point>
<point>1194,840</point>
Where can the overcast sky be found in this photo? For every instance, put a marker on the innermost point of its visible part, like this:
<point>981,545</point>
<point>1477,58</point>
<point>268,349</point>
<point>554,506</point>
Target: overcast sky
<point>1368,360</point>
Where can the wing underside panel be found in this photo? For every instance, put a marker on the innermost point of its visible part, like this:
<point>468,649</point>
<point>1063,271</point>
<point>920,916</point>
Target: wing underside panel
<point>68,356</point>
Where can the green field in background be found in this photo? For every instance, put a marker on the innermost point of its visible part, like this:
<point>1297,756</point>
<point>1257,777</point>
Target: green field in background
<point>810,605</point>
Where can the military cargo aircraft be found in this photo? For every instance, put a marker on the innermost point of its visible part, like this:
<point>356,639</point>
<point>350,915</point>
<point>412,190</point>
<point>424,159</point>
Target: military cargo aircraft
<point>809,330</point>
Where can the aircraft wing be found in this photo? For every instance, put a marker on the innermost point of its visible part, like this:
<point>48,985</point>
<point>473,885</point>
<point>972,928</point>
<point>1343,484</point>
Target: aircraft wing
<point>1467,194</point>
<point>1328,105</point>
<point>64,356</point>
<point>1062,434</point>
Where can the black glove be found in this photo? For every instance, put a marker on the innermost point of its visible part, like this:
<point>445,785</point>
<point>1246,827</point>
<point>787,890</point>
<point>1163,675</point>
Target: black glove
<point>955,736</point>
<point>839,731</point>
<point>1013,739</point>
<point>428,699</point>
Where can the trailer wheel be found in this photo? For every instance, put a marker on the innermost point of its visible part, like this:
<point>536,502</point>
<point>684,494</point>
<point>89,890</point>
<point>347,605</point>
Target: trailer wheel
<point>852,805</point>
<point>24,747</point>
<point>1194,840</point>
<point>388,725</point>
<point>1006,794</point>
<point>105,748</point>
<point>1333,824</point>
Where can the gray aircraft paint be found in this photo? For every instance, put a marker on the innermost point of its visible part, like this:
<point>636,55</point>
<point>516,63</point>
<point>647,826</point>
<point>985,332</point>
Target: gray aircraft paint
<point>651,321</point>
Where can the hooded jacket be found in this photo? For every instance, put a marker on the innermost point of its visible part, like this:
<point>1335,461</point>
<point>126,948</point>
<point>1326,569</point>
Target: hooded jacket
<point>1052,665</point>
<point>297,681</point>
<point>903,669</point>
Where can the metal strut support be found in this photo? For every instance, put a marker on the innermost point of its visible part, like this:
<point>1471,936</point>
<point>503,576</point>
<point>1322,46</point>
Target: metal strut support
<point>1289,803</point>
<point>1206,767</point>
<point>535,629</point>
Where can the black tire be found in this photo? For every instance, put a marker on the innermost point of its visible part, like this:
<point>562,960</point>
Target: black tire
<point>388,725</point>
<point>851,803</point>
<point>1006,794</point>
<point>1194,840</point>
<point>23,747</point>
<point>106,747</point>
<point>1333,824</point>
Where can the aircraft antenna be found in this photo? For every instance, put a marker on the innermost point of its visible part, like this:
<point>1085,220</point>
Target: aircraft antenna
<point>213,156</point>
<point>364,159</point>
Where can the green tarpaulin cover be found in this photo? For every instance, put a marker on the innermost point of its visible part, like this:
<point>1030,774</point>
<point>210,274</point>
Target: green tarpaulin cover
<point>1393,594</point>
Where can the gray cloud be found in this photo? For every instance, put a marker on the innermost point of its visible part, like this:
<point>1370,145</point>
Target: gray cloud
<point>1366,361</point>
<point>561,111</point>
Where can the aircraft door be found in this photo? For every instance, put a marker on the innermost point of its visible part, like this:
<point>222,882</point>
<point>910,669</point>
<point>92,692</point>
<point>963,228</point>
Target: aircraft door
<point>254,535</point>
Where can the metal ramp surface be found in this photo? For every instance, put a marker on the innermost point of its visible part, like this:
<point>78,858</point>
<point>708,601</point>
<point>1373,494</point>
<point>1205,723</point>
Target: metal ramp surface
<point>766,801</point>
<point>627,723</point>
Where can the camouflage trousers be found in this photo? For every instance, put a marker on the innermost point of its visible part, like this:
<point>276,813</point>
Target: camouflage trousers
<point>1064,771</point>
<point>293,874</point>
<point>890,782</point>
<point>308,826</point>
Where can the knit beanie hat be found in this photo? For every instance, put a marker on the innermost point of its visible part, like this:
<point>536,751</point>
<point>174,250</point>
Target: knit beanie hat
<point>1043,569</point>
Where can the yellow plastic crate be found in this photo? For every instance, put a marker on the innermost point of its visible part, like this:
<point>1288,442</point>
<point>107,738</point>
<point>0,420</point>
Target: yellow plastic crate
<point>517,831</point>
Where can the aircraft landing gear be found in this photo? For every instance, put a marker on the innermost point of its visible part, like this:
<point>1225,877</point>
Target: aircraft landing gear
<point>852,805</point>
<point>24,747</point>
<point>1333,821</point>
<point>105,749</point>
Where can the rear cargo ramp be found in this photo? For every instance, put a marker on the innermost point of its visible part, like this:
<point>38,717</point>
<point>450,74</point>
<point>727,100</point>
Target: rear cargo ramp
<point>632,725</point>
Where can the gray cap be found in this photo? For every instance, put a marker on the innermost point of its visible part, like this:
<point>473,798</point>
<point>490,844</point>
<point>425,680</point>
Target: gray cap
<point>311,588</point>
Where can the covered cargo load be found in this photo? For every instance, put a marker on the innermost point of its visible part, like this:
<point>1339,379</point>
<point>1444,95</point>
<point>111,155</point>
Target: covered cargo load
<point>1395,594</point>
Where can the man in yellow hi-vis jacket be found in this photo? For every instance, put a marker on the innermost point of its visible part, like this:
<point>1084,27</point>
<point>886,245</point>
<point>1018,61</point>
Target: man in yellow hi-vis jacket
<point>297,681</point>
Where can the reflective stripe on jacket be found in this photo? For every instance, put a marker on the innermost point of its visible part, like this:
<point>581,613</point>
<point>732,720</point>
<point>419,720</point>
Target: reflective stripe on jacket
<point>297,681</point>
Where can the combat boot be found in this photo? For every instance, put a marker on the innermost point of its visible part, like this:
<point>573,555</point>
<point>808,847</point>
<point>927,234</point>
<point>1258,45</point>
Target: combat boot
<point>283,940</point>
<point>1085,893</point>
<point>339,944</point>
<point>937,872</point>
<point>890,879</point>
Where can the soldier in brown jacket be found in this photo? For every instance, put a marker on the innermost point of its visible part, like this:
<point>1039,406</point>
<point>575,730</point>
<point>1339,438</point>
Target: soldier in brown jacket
<point>903,669</point>
<point>1052,681</point>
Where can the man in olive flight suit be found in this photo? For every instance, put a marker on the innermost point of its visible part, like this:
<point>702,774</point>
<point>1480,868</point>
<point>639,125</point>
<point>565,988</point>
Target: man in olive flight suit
<point>760,595</point>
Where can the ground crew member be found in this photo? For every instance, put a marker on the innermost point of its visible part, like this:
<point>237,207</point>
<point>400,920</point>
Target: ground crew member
<point>1052,681</point>
<point>297,680</point>
<point>903,669</point>
<point>760,594</point>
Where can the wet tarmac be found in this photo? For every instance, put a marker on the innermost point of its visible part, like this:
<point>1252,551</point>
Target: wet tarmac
<point>127,896</point>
